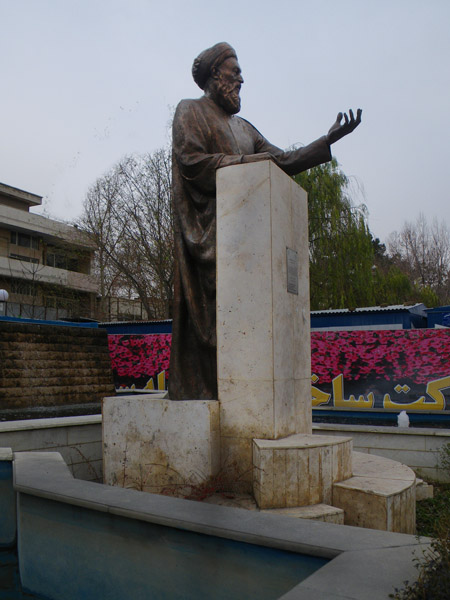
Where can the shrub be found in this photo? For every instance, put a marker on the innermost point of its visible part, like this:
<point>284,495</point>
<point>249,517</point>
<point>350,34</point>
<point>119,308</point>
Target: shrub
<point>433,518</point>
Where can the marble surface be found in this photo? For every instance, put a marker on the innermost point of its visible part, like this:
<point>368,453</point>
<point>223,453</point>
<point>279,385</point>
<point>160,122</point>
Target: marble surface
<point>262,329</point>
<point>299,470</point>
<point>381,494</point>
<point>154,444</point>
<point>316,512</point>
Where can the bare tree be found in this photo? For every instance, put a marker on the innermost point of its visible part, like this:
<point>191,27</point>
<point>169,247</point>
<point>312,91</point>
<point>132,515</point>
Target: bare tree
<point>99,220</point>
<point>128,212</point>
<point>422,251</point>
<point>25,283</point>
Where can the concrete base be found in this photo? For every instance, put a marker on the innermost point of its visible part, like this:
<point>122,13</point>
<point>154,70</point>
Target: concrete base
<point>299,470</point>
<point>317,512</point>
<point>158,445</point>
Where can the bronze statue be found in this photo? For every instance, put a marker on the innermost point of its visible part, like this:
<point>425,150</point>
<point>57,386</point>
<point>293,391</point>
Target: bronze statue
<point>206,136</point>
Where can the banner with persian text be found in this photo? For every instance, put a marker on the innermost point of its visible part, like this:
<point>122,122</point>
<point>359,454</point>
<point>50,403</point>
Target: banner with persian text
<point>399,370</point>
<point>382,369</point>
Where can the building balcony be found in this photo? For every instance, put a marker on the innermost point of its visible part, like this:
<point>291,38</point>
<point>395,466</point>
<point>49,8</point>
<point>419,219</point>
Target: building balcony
<point>49,229</point>
<point>38,273</point>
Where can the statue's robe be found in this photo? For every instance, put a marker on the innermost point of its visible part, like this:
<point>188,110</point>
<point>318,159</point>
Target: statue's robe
<point>206,138</point>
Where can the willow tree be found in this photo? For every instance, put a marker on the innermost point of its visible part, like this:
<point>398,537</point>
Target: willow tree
<point>340,244</point>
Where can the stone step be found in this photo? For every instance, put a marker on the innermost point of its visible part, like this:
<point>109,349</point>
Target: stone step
<point>299,470</point>
<point>381,494</point>
<point>315,512</point>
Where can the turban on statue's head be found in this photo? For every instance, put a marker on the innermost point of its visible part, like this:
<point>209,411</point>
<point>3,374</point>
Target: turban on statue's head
<point>206,60</point>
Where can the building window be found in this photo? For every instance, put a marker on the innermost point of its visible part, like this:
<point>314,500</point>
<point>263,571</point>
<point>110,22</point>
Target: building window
<point>23,288</point>
<point>72,265</point>
<point>56,260</point>
<point>23,258</point>
<point>60,302</point>
<point>24,240</point>
<point>62,261</point>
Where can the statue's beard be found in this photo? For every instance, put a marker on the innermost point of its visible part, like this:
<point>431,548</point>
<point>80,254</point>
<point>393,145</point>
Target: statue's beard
<point>228,97</point>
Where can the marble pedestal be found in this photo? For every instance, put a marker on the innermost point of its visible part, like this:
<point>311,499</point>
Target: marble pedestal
<point>263,336</point>
<point>156,445</point>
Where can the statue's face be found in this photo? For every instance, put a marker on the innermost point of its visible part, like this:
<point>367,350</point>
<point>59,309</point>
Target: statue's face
<point>229,81</point>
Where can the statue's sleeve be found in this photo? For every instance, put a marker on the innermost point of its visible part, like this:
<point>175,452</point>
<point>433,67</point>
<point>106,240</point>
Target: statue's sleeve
<point>295,161</point>
<point>193,133</point>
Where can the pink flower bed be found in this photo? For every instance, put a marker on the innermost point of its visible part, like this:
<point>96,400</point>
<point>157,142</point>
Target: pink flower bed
<point>136,356</point>
<point>418,355</point>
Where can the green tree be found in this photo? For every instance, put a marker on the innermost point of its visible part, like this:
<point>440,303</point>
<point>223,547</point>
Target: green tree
<point>392,286</point>
<point>341,248</point>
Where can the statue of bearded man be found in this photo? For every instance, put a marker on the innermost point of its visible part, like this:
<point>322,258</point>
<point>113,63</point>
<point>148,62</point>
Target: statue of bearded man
<point>207,135</point>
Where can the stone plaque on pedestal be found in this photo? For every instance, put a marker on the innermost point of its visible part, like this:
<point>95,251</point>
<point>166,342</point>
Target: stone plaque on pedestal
<point>263,331</point>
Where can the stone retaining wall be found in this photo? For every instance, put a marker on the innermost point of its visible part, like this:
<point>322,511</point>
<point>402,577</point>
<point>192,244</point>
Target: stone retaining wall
<point>416,447</point>
<point>48,365</point>
<point>77,439</point>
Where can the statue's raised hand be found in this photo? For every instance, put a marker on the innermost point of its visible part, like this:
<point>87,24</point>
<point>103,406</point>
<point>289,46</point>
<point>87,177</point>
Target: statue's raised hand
<point>338,130</point>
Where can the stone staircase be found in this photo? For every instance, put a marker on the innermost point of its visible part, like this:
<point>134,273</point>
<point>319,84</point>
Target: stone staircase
<point>380,493</point>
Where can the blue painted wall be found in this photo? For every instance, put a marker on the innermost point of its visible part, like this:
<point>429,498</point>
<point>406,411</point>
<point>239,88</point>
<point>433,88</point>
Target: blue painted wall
<point>404,317</point>
<point>71,553</point>
<point>140,327</point>
<point>7,505</point>
<point>438,316</point>
<point>42,322</point>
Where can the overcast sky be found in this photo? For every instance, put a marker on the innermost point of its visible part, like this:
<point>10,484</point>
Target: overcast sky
<point>85,82</point>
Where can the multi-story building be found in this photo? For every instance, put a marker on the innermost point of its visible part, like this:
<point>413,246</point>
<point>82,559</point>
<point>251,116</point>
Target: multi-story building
<point>45,265</point>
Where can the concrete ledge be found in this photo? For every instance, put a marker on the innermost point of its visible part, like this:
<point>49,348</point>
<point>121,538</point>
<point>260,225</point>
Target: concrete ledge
<point>361,575</point>
<point>33,424</point>
<point>78,439</point>
<point>343,427</point>
<point>6,454</point>
<point>45,476</point>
